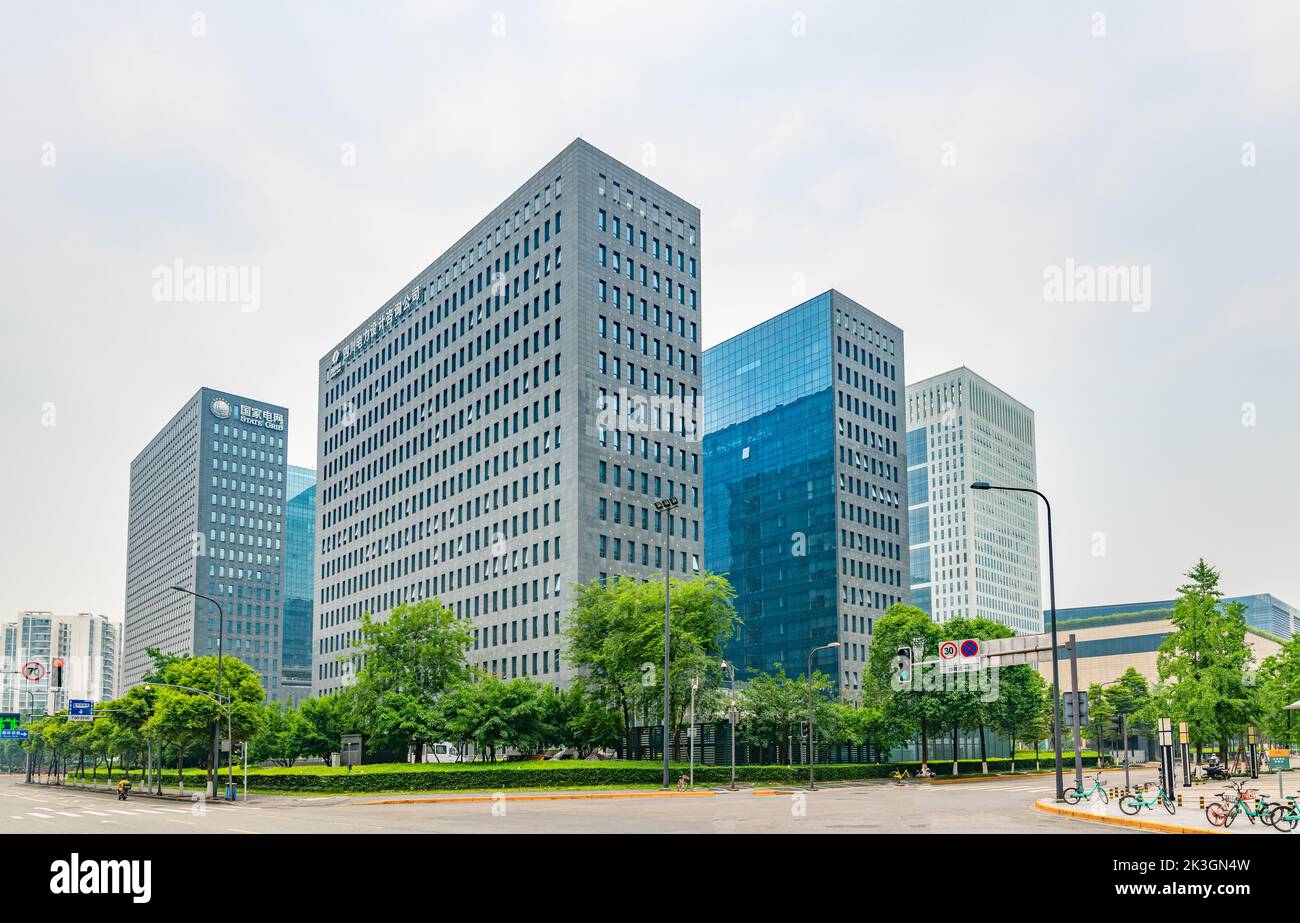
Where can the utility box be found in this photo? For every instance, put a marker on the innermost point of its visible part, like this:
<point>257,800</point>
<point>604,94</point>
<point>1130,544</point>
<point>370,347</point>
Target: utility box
<point>350,750</point>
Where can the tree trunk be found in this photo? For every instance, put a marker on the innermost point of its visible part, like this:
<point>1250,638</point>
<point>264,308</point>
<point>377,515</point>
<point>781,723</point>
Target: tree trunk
<point>180,768</point>
<point>925,743</point>
<point>954,750</point>
<point>984,757</point>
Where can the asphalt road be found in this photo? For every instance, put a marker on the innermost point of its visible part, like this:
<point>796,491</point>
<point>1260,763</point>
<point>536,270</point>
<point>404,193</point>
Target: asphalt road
<point>998,806</point>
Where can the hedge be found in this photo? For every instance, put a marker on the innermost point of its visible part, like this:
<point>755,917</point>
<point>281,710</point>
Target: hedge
<point>481,776</point>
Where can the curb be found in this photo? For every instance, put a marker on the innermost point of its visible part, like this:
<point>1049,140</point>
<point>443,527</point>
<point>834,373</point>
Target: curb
<point>1150,825</point>
<point>559,796</point>
<point>1024,775</point>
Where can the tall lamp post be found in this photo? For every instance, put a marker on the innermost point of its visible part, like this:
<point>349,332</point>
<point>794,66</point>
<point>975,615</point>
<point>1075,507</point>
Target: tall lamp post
<point>221,649</point>
<point>230,717</point>
<point>666,507</point>
<point>731,671</point>
<point>812,736</point>
<point>1056,669</point>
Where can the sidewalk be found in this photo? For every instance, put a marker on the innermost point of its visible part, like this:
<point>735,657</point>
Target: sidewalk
<point>1188,818</point>
<point>137,791</point>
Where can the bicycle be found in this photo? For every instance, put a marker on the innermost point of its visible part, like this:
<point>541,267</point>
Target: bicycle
<point>1223,813</point>
<point>1073,795</point>
<point>899,775</point>
<point>1284,817</point>
<point>1132,803</point>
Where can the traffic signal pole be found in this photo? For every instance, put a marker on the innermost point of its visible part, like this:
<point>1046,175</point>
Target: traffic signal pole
<point>1072,645</point>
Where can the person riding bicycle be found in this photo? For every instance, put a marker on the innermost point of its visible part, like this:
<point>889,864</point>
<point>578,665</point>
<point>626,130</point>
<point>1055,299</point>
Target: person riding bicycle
<point>122,788</point>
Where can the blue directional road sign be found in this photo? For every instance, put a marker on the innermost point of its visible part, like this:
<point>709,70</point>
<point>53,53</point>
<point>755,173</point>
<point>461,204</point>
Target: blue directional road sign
<point>81,710</point>
<point>9,729</point>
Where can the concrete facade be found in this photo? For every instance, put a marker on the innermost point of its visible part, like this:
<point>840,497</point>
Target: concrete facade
<point>207,514</point>
<point>475,439</point>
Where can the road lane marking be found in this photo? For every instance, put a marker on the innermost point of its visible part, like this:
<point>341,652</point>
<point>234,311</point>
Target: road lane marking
<point>239,830</point>
<point>568,796</point>
<point>41,816</point>
<point>97,813</point>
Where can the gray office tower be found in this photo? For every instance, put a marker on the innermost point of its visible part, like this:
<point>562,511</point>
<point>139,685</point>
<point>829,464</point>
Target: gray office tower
<point>501,427</point>
<point>806,499</point>
<point>208,514</point>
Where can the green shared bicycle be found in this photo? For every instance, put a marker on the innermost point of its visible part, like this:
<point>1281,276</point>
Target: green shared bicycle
<point>1134,802</point>
<point>1242,801</point>
<point>1285,816</point>
<point>1074,795</point>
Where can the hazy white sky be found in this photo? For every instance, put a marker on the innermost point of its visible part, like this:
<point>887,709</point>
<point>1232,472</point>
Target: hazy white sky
<point>930,160</point>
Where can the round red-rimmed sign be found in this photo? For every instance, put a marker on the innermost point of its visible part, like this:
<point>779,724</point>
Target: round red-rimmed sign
<point>33,670</point>
<point>948,650</point>
<point>970,648</point>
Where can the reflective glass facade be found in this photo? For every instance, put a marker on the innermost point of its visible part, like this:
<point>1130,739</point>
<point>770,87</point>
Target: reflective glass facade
<point>299,558</point>
<point>1264,612</point>
<point>802,492</point>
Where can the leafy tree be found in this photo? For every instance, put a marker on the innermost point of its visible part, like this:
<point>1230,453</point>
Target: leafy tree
<point>967,707</point>
<point>495,714</point>
<point>1129,697</point>
<point>410,659</point>
<point>281,738</point>
<point>1018,713</point>
<point>324,720</point>
<point>910,711</point>
<point>1100,713</point>
<point>1279,686</point>
<point>774,707</point>
<point>1206,660</point>
<point>580,719</point>
<point>615,634</point>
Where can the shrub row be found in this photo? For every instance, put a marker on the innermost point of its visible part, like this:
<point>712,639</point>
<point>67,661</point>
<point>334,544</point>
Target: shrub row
<point>481,776</point>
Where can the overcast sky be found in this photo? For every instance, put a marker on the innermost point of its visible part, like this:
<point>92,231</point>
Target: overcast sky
<point>934,161</point>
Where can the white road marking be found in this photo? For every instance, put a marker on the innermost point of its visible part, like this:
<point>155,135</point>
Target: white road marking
<point>41,816</point>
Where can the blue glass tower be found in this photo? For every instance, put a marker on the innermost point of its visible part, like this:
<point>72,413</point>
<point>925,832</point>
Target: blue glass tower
<point>299,557</point>
<point>804,490</point>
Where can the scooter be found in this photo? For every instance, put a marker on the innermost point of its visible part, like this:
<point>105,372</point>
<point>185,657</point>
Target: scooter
<point>1215,772</point>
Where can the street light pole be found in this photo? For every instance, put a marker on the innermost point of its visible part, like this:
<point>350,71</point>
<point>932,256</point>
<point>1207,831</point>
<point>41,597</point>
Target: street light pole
<point>731,670</point>
<point>666,507</point>
<point>230,713</point>
<point>812,735</point>
<point>221,649</point>
<point>1056,667</point>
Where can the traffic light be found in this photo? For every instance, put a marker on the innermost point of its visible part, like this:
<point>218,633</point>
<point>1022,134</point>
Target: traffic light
<point>58,673</point>
<point>904,664</point>
<point>1075,706</point>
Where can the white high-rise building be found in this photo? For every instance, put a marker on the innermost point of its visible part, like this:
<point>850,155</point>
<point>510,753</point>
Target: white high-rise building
<point>89,645</point>
<point>973,553</point>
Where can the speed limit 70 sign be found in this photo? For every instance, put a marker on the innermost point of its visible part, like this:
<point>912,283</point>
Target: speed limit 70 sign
<point>33,670</point>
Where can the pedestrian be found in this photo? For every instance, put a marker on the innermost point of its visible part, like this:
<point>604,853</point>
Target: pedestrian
<point>682,783</point>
